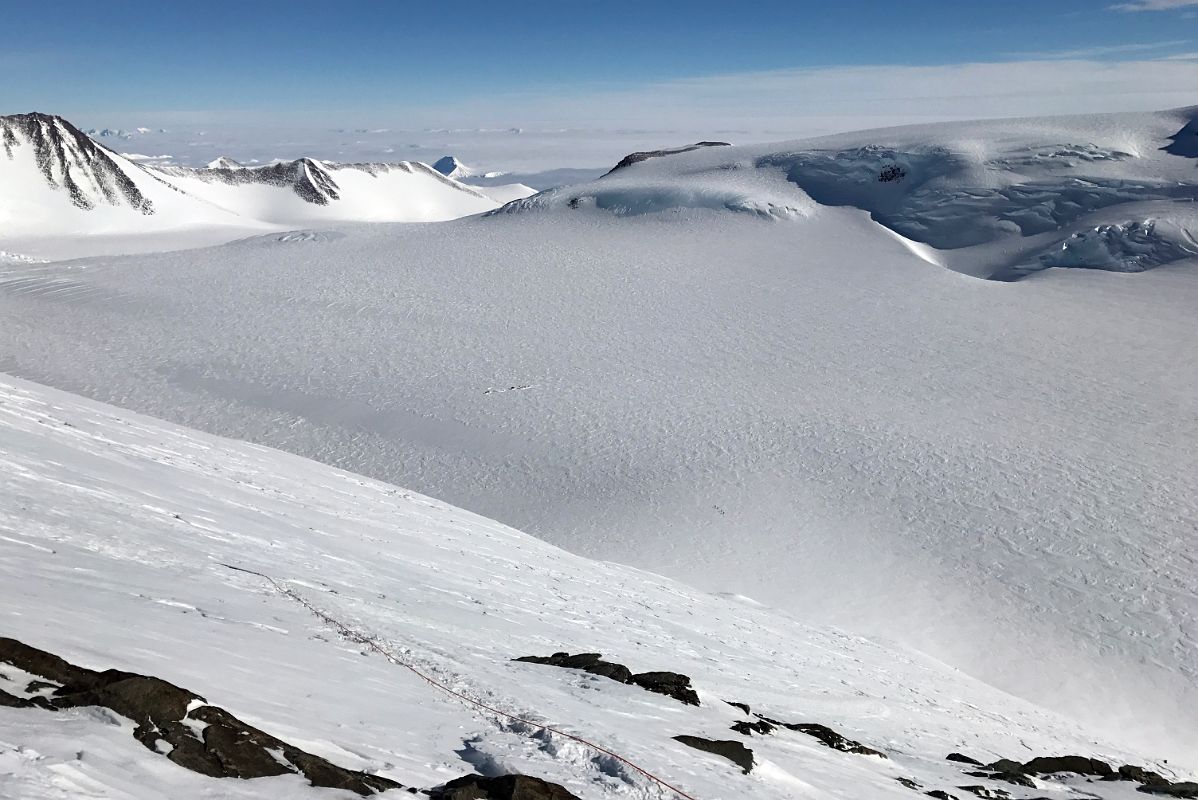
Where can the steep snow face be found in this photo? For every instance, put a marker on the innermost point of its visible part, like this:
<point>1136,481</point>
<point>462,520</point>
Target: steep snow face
<point>115,533</point>
<point>991,197</point>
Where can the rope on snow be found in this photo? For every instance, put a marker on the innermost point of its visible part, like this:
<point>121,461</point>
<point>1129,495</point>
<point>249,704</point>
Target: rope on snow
<point>360,638</point>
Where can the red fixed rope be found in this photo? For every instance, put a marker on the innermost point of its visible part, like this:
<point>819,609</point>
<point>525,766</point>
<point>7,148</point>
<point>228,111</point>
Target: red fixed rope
<point>359,638</point>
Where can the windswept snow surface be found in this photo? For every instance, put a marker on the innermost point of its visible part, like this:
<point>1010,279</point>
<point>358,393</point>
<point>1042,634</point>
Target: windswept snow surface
<point>113,531</point>
<point>790,404</point>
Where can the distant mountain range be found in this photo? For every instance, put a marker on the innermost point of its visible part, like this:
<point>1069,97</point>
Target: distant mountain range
<point>56,179</point>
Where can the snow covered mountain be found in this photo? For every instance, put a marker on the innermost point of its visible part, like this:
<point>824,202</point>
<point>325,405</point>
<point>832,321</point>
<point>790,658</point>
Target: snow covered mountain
<point>356,626</point>
<point>54,180</point>
<point>223,162</point>
<point>997,199</point>
<point>450,167</point>
<point>58,185</point>
<point>495,185</point>
<point>119,133</point>
<point>307,190</point>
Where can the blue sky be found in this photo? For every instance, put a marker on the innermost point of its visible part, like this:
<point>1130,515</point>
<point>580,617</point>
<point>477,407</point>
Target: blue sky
<point>397,57</point>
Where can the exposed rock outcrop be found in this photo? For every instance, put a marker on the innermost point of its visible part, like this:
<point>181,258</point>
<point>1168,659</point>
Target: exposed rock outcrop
<point>1185,142</point>
<point>1080,765</point>
<point>963,759</point>
<point>1145,776</point>
<point>760,727</point>
<point>505,787</point>
<point>645,155</point>
<point>195,735</point>
<point>829,738</point>
<point>1017,773</point>
<point>671,684</point>
<point>1185,789</point>
<point>986,792</point>
<point>732,750</point>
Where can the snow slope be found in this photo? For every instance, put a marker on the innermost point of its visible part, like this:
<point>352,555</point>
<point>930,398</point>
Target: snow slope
<point>792,405</point>
<point>114,529</point>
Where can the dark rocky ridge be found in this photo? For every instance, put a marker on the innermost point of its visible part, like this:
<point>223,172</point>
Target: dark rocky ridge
<point>68,159</point>
<point>829,738</point>
<point>963,759</point>
<point>226,747</point>
<point>229,748</point>
<point>505,787</point>
<point>732,750</point>
<point>1016,773</point>
<point>645,155</point>
<point>312,180</point>
<point>1184,143</point>
<point>671,684</point>
<point>1186,789</point>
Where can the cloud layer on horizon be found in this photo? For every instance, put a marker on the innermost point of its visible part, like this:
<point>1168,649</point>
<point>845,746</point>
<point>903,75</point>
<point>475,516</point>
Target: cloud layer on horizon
<point>793,102</point>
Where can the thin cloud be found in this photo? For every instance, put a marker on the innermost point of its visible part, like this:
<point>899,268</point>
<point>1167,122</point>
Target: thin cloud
<point>844,98</point>
<point>1101,50</point>
<point>1154,5</point>
<point>780,104</point>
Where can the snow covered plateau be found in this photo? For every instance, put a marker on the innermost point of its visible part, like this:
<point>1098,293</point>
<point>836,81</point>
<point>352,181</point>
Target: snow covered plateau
<point>906,418</point>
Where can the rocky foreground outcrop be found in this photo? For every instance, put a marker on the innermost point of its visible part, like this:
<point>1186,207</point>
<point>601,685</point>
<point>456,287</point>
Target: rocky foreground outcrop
<point>184,728</point>
<point>671,684</point>
<point>763,726</point>
<point>1023,773</point>
<point>504,787</point>
<point>734,751</point>
<point>167,718</point>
